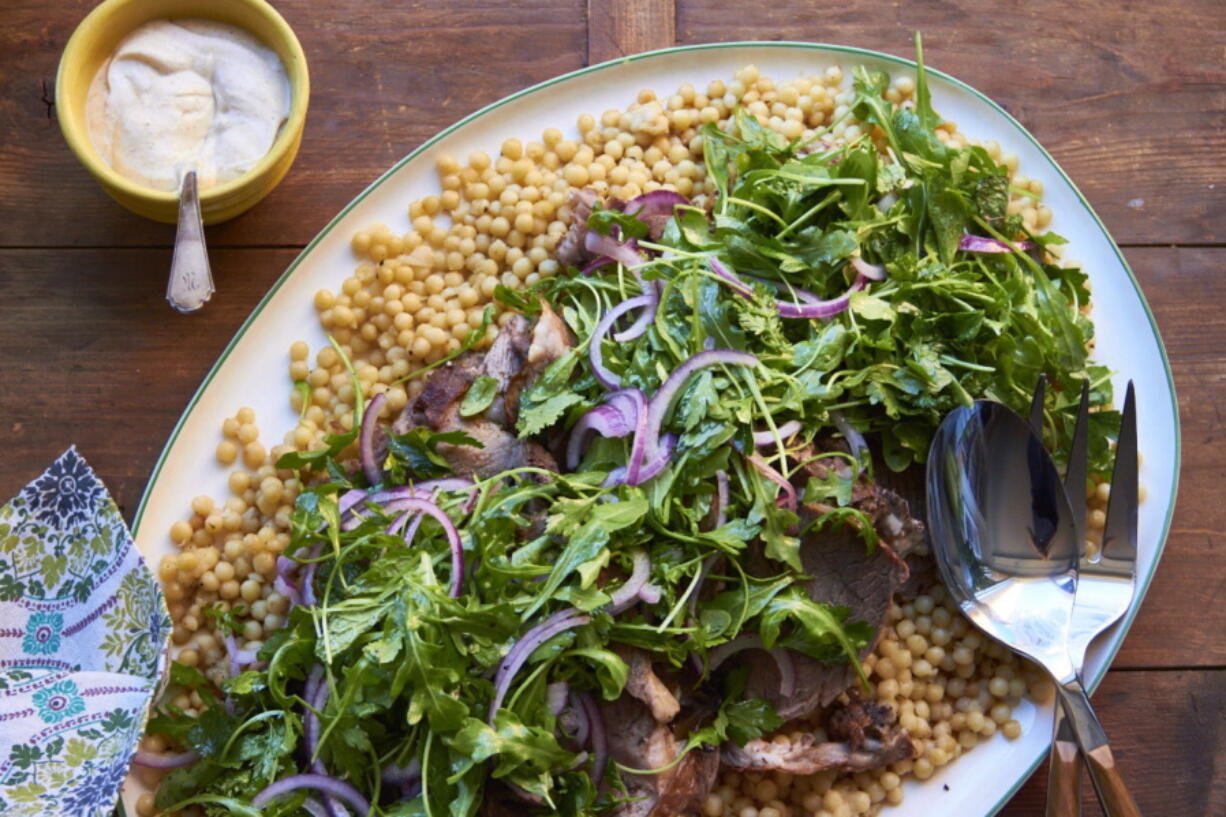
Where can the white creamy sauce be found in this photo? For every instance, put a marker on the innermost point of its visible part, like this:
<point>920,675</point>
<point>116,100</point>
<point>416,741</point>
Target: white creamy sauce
<point>184,94</point>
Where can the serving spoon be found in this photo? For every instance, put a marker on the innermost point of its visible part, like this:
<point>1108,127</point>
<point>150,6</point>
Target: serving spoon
<point>1005,540</point>
<point>191,281</point>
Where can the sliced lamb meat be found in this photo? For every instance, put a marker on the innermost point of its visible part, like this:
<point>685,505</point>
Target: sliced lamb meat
<point>570,249</point>
<point>514,359</point>
<point>505,361</point>
<point>864,736</point>
<point>637,741</point>
<point>550,340</point>
<point>646,686</point>
<point>844,574</point>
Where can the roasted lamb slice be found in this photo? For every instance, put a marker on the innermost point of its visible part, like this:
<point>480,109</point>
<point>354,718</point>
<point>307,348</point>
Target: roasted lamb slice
<point>863,736</point>
<point>845,574</point>
<point>516,358</point>
<point>571,249</point>
<point>638,741</point>
<point>643,683</point>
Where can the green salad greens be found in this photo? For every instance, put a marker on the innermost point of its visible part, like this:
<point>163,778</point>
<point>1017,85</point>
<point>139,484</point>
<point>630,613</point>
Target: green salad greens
<point>385,675</point>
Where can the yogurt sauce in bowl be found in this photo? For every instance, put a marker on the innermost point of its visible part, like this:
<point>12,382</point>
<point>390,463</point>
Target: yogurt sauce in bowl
<point>187,94</point>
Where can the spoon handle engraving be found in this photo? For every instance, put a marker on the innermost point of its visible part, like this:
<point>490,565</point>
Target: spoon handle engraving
<point>191,280</point>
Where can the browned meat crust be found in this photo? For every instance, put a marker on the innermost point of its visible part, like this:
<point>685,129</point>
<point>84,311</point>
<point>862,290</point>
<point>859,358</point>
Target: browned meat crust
<point>571,250</point>
<point>865,736</point>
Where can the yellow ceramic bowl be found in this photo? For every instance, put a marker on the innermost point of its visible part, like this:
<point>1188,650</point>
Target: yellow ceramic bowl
<point>97,38</point>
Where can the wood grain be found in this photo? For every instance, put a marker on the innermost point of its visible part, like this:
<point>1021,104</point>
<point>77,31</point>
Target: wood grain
<point>1130,98</point>
<point>384,78</point>
<point>1169,737</point>
<point>619,28</point>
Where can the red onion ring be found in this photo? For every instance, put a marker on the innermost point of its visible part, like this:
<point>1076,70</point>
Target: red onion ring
<point>978,243</point>
<point>788,498</point>
<point>366,439</point>
<point>425,506</point>
<point>625,596</point>
<point>523,649</point>
<point>596,353</point>
<point>599,738</point>
<point>768,437</point>
<point>661,401</point>
<point>320,782</point>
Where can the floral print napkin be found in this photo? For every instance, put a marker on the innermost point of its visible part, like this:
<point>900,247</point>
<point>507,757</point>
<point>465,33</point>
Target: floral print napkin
<point>83,634</point>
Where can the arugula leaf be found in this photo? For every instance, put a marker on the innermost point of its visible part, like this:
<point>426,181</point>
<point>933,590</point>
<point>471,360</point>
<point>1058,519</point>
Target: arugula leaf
<point>416,452</point>
<point>546,399</point>
<point>480,396</point>
<point>604,220</point>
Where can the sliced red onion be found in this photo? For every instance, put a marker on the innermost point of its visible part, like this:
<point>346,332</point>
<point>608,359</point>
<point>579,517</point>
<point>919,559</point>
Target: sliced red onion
<point>768,437</point>
<point>319,782</point>
<point>655,209</point>
<point>282,584</point>
<point>662,400</point>
<point>646,317</point>
<point>623,253</point>
<point>978,243</point>
<point>523,649</point>
<point>618,416</point>
<point>595,264</point>
<point>556,696</point>
<point>596,353</point>
<point>787,499</point>
<point>650,594</point>
<point>307,584</point>
<point>421,490</point>
<point>873,272</point>
<point>599,738</point>
<point>854,438</point>
<point>652,468</point>
<point>740,287</point>
<point>237,658</point>
<point>822,309</point>
<point>350,499</point>
<point>425,506</point>
<point>811,307</point>
<point>781,657</point>
<point>625,596</point>
<point>366,439</point>
<point>315,808</point>
<point>317,701</point>
<point>159,760</point>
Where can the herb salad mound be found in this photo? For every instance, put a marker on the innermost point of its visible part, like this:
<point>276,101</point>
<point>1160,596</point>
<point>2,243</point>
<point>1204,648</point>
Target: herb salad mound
<point>643,530</point>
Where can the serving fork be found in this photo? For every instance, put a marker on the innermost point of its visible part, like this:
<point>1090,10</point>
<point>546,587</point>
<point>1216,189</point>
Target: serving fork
<point>1005,540</point>
<point>1105,587</point>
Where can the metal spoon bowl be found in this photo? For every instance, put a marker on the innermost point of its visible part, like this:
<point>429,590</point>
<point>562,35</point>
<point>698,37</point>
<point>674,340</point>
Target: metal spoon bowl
<point>1004,536</point>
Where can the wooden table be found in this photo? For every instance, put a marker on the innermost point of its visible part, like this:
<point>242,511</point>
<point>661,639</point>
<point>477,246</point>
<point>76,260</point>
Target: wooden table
<point>1129,97</point>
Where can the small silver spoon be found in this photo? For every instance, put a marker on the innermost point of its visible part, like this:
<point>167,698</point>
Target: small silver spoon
<point>191,281</point>
<point>1004,538</point>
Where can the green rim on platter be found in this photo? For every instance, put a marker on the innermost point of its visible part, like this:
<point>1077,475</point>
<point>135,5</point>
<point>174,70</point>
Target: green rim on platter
<point>1144,582</point>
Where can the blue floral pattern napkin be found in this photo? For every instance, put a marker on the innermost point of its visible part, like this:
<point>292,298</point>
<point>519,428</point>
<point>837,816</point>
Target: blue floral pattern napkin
<point>83,634</point>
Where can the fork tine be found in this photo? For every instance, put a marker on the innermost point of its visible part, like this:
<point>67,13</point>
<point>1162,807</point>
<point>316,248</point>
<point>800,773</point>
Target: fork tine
<point>1036,405</point>
<point>1120,533</point>
<point>1075,473</point>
